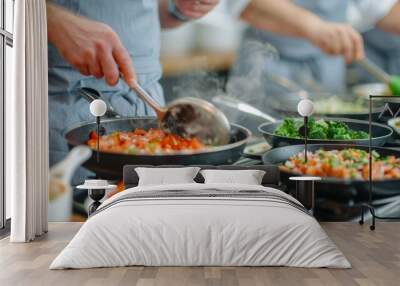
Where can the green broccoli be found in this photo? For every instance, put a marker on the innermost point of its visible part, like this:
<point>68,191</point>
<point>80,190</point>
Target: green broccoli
<point>319,129</point>
<point>288,128</point>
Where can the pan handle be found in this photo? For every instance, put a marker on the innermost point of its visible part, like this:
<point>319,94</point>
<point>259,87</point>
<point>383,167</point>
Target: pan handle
<point>145,96</point>
<point>242,106</point>
<point>91,94</point>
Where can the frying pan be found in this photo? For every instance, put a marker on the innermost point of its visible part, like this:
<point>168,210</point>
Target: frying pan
<point>333,186</point>
<point>381,133</point>
<point>287,104</point>
<point>111,164</point>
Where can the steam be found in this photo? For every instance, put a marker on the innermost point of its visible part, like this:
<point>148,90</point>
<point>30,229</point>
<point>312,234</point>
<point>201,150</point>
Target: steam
<point>246,80</point>
<point>200,84</point>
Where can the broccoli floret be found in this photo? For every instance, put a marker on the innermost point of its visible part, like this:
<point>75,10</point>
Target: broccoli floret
<point>288,128</point>
<point>317,129</point>
<point>358,134</point>
<point>338,130</point>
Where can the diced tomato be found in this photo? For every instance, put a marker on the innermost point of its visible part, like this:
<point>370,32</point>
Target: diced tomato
<point>93,135</point>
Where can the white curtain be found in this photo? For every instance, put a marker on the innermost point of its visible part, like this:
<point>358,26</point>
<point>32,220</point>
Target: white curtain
<point>26,124</point>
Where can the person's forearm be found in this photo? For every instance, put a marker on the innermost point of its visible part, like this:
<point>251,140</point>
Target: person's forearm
<point>391,22</point>
<point>54,12</point>
<point>286,18</point>
<point>281,16</point>
<point>89,46</point>
<point>166,19</point>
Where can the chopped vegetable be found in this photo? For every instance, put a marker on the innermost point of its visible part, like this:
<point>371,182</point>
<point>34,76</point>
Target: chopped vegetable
<point>139,141</point>
<point>319,129</point>
<point>345,164</point>
<point>289,128</point>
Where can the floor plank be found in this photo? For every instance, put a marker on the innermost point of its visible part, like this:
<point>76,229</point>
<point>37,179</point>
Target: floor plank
<point>375,257</point>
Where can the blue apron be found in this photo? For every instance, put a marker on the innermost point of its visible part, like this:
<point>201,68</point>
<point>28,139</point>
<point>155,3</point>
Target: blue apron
<point>137,24</point>
<point>299,60</point>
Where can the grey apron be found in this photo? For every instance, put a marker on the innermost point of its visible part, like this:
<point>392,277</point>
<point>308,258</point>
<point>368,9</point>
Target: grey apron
<point>298,60</point>
<point>137,24</point>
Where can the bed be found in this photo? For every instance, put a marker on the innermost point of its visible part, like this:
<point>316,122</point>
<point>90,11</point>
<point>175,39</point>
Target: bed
<point>198,224</point>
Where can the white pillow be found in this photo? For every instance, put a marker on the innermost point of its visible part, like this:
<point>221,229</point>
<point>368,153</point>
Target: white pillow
<point>246,177</point>
<point>166,176</point>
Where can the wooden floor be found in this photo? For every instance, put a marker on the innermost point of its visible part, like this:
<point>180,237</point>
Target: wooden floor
<point>375,257</point>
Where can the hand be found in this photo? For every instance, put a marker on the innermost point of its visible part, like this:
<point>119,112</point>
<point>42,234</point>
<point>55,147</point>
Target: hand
<point>195,9</point>
<point>337,39</point>
<point>91,47</point>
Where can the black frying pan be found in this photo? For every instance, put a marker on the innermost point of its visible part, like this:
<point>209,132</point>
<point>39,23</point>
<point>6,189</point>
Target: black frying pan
<point>333,186</point>
<point>381,133</point>
<point>111,164</point>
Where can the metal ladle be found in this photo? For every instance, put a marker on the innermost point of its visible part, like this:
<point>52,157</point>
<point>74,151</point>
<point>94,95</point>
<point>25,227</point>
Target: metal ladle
<point>190,117</point>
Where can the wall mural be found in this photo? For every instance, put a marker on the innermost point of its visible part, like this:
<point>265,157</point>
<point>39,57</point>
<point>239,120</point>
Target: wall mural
<point>190,96</point>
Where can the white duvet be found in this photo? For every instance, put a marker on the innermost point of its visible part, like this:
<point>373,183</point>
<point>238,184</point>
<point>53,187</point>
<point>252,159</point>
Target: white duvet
<point>200,231</point>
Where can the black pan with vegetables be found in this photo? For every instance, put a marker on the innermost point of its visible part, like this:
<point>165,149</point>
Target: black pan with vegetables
<point>342,170</point>
<point>329,131</point>
<point>337,198</point>
<point>138,140</point>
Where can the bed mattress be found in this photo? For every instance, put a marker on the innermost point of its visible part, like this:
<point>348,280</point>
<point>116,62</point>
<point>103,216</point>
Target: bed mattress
<point>201,225</point>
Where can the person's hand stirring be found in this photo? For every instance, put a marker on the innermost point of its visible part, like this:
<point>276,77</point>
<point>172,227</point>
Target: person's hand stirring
<point>91,47</point>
